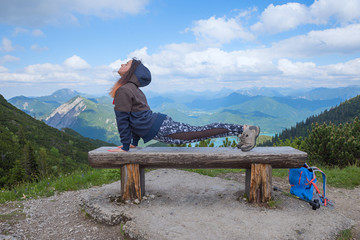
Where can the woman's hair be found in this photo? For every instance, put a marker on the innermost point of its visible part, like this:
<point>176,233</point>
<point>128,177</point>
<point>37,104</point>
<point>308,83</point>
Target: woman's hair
<point>125,78</point>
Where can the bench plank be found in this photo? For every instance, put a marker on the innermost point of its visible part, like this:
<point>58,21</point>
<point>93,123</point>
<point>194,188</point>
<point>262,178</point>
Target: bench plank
<point>184,157</point>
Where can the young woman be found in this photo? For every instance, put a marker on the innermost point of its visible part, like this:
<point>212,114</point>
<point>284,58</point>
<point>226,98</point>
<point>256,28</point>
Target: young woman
<point>135,120</point>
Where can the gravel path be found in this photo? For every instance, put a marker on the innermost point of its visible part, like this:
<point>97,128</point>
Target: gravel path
<point>61,217</point>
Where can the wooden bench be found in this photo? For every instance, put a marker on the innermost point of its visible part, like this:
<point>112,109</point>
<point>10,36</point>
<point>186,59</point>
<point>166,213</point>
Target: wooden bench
<point>257,162</point>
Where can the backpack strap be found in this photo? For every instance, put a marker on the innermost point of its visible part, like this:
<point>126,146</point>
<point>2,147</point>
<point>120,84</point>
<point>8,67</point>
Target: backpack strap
<point>323,198</point>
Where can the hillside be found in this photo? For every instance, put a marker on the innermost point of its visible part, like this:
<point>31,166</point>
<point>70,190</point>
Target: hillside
<point>346,112</point>
<point>30,148</point>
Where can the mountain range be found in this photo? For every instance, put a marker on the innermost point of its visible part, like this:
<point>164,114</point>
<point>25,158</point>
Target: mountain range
<point>275,109</point>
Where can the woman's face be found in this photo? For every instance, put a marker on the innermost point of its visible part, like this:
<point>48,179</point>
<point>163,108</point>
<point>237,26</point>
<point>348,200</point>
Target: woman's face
<point>124,68</point>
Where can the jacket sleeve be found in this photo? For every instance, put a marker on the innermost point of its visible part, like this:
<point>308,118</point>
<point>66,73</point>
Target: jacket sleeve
<point>123,124</point>
<point>123,105</point>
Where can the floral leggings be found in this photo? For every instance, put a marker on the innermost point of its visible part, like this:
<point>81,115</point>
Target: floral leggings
<point>172,132</point>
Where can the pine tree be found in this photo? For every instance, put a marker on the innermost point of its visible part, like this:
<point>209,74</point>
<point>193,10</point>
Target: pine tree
<point>30,164</point>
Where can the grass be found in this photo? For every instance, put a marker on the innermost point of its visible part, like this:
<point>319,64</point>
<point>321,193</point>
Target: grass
<point>50,186</point>
<point>345,235</point>
<point>348,177</point>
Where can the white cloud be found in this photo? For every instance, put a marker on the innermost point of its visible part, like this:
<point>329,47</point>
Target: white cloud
<point>6,45</point>
<point>332,75</point>
<point>220,30</point>
<point>37,48</point>
<point>349,68</point>
<point>70,73</point>
<point>343,40</point>
<point>37,33</point>
<point>279,18</point>
<point>76,62</point>
<point>18,31</point>
<point>343,11</point>
<point>3,69</point>
<point>42,12</point>
<point>43,68</point>
<point>298,69</point>
<point>8,58</point>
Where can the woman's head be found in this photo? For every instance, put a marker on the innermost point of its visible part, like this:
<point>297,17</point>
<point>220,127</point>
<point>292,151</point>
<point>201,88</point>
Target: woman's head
<point>125,71</point>
<point>125,67</point>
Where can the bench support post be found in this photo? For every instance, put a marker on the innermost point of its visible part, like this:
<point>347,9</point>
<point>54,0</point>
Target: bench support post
<point>130,182</point>
<point>260,183</point>
<point>142,181</point>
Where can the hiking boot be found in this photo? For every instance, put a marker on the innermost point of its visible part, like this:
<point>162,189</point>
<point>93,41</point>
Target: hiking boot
<point>248,138</point>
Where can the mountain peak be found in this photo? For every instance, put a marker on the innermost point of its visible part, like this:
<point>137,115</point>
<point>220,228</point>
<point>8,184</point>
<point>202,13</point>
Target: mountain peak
<point>65,93</point>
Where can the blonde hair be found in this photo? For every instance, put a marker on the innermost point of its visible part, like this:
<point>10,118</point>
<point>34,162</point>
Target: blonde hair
<point>124,79</point>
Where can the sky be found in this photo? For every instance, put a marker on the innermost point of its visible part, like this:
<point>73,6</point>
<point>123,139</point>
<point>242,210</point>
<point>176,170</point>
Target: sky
<point>201,45</point>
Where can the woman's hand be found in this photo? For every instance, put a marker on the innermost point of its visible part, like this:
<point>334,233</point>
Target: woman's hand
<point>116,150</point>
<point>131,146</point>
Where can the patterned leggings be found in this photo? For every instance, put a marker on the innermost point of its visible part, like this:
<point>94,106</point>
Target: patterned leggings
<point>172,132</point>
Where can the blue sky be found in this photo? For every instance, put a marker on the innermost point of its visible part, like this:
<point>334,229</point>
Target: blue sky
<point>201,45</point>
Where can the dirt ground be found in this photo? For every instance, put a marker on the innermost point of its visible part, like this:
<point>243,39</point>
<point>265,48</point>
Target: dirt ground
<point>61,217</point>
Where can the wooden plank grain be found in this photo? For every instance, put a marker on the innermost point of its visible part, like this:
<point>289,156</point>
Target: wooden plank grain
<point>178,157</point>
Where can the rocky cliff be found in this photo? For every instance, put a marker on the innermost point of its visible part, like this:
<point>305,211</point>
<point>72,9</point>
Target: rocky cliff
<point>66,114</point>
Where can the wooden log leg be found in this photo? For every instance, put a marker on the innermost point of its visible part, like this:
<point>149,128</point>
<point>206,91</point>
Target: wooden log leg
<point>142,181</point>
<point>260,183</point>
<point>130,182</point>
<point>247,182</point>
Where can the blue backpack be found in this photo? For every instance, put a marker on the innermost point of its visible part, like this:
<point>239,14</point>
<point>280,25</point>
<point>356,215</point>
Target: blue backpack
<point>302,181</point>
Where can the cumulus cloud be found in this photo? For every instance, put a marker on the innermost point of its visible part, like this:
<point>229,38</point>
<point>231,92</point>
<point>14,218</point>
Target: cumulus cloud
<point>8,58</point>
<point>279,18</point>
<point>6,45</point>
<point>220,30</point>
<point>342,11</point>
<point>19,30</point>
<point>341,40</point>
<point>3,69</point>
<point>326,75</point>
<point>55,76</point>
<point>76,62</point>
<point>37,48</point>
<point>37,33</point>
<point>42,12</point>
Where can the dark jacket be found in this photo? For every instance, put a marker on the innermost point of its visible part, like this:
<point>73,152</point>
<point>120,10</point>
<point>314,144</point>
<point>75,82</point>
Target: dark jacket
<point>133,115</point>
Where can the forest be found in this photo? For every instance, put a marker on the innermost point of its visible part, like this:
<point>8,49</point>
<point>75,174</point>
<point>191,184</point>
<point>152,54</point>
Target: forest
<point>331,138</point>
<point>31,150</point>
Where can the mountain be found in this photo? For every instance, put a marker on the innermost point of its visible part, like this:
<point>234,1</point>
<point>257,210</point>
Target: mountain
<point>33,107</point>
<point>30,148</point>
<point>342,93</point>
<point>41,107</point>
<point>274,109</point>
<point>93,118</point>
<point>205,104</point>
<point>60,96</point>
<point>346,112</point>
